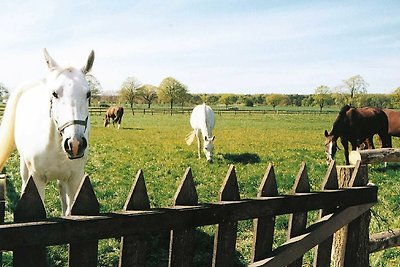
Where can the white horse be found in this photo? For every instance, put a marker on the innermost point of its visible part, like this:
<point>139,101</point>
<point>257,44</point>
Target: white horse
<point>202,121</point>
<point>48,123</point>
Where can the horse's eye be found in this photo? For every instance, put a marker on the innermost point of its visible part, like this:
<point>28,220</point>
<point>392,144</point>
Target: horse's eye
<point>55,95</point>
<point>88,95</point>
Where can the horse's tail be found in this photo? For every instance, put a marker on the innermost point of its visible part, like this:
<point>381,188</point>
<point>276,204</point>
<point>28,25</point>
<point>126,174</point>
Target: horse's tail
<point>7,139</point>
<point>190,137</point>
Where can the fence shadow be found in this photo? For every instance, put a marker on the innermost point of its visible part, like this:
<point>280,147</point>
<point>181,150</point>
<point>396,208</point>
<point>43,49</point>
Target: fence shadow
<point>12,195</point>
<point>158,248</point>
<point>245,158</point>
<point>391,166</point>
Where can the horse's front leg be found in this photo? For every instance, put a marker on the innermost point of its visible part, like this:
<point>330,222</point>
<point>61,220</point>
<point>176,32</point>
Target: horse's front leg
<point>39,183</point>
<point>198,134</point>
<point>70,190</point>
<point>62,188</point>
<point>345,145</point>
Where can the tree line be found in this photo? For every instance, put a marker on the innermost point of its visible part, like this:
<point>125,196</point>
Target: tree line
<point>170,91</point>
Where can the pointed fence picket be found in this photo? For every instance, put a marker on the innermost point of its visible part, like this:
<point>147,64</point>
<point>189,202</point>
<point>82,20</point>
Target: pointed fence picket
<point>137,221</point>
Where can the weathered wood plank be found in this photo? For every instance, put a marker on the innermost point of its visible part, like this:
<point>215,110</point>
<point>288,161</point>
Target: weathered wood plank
<point>133,247</point>
<point>79,228</point>
<point>264,226</point>
<point>324,228</point>
<point>225,235</point>
<point>29,208</point>
<point>181,250</point>
<point>298,220</point>
<point>323,250</point>
<point>345,174</point>
<point>357,245</point>
<point>2,205</point>
<point>84,254</point>
<point>370,156</point>
<point>384,240</point>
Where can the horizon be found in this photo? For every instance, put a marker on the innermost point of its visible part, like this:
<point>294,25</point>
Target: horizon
<point>237,46</point>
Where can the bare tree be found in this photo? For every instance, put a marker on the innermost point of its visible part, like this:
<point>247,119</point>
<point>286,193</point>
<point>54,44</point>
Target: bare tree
<point>129,91</point>
<point>148,93</point>
<point>355,85</point>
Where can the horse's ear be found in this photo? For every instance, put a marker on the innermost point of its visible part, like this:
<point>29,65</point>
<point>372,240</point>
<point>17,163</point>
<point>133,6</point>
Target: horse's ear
<point>89,63</point>
<point>49,60</point>
<point>326,133</point>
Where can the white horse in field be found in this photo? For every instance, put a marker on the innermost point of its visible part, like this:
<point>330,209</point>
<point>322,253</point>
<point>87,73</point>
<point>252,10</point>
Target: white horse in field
<point>202,121</point>
<point>48,123</point>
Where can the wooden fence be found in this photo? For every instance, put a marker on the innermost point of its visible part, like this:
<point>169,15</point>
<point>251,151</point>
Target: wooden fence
<point>100,111</point>
<point>32,231</point>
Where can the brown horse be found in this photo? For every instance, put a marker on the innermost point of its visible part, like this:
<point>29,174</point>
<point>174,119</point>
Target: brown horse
<point>394,124</point>
<point>357,126</point>
<point>115,113</point>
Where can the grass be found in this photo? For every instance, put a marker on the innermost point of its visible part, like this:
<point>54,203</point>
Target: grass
<point>155,144</point>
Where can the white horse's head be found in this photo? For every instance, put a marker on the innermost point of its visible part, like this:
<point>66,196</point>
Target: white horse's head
<point>69,94</point>
<point>208,147</point>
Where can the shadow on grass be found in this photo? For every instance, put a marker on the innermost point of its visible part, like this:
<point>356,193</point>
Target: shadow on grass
<point>391,166</point>
<point>245,158</point>
<point>131,128</point>
<point>12,195</point>
<point>158,250</point>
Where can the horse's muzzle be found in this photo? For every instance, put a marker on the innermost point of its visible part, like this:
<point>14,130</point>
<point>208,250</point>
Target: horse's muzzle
<point>75,147</point>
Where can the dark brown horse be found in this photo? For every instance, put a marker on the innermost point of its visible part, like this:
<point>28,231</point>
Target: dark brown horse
<point>115,113</point>
<point>357,126</point>
<point>394,124</point>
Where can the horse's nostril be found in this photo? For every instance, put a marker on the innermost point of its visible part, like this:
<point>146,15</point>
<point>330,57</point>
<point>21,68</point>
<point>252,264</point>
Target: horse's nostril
<point>67,144</point>
<point>83,145</point>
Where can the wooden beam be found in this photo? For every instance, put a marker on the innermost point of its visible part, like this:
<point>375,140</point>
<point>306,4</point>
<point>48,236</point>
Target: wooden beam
<point>78,228</point>
<point>384,240</point>
<point>293,248</point>
<point>369,156</point>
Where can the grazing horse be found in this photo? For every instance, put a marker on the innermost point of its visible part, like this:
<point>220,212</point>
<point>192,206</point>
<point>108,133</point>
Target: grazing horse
<point>48,123</point>
<point>202,121</point>
<point>115,113</point>
<point>357,125</point>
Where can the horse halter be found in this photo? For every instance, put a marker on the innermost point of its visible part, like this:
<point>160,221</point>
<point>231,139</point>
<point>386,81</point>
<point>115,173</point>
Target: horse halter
<point>68,123</point>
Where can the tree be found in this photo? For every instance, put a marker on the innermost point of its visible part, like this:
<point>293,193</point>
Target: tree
<point>171,91</point>
<point>274,99</point>
<point>395,97</point>
<point>355,85</point>
<point>4,92</point>
<point>321,96</point>
<point>228,99</point>
<point>148,93</point>
<point>129,90</point>
<point>95,87</point>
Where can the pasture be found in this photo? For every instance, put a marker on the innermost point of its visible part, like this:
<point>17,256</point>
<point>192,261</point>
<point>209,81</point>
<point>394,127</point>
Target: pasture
<point>156,144</point>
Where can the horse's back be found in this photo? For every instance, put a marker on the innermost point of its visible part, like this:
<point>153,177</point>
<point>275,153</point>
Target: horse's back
<point>394,121</point>
<point>368,121</point>
<point>202,116</point>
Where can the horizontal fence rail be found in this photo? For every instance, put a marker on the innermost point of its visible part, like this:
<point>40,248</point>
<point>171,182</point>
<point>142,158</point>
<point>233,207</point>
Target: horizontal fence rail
<point>86,226</point>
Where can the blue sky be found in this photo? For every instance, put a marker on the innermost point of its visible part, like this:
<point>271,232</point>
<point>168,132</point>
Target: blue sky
<point>240,46</point>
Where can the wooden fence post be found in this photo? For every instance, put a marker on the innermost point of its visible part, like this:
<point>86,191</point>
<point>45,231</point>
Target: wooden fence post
<point>84,254</point>
<point>357,246</point>
<point>29,208</point>
<point>133,247</point>
<point>346,242</point>
<point>298,220</point>
<point>323,251</point>
<point>2,205</point>
<point>264,226</point>
<point>226,232</point>
<point>181,250</point>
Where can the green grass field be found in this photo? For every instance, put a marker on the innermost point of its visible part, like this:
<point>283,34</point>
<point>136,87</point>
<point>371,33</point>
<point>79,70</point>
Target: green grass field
<point>155,144</point>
